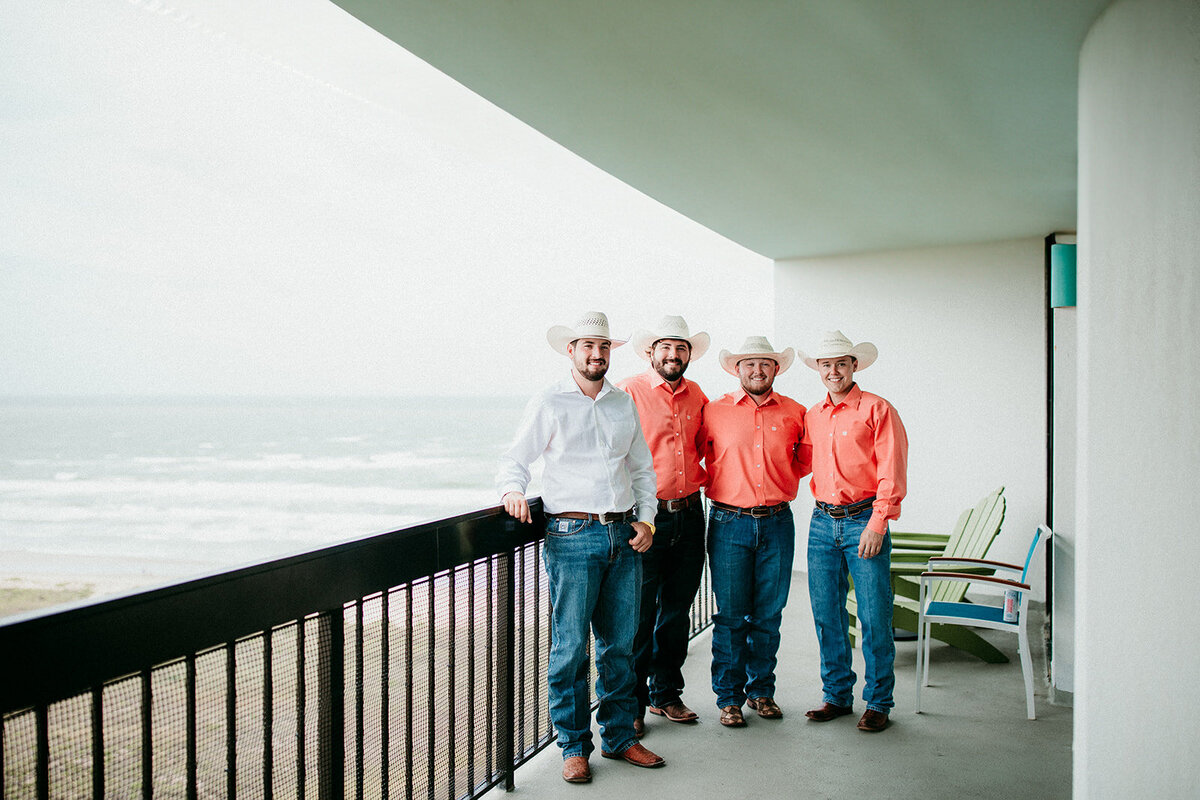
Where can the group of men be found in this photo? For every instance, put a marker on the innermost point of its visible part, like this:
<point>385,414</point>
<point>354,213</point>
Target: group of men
<point>626,535</point>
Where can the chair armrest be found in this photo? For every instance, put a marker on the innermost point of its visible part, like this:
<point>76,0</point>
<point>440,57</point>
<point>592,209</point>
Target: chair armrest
<point>917,547</point>
<point>914,569</point>
<point>964,576</point>
<point>929,539</point>
<point>912,557</point>
<point>946,561</point>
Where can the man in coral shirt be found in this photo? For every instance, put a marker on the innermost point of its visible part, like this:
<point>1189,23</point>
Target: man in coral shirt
<point>860,467</point>
<point>669,406</point>
<point>755,456</point>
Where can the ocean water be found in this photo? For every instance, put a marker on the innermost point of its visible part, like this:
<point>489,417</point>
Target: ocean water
<point>126,492</point>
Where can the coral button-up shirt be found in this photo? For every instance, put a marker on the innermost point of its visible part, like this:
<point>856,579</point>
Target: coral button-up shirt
<point>674,430</point>
<point>859,449</point>
<point>755,454</point>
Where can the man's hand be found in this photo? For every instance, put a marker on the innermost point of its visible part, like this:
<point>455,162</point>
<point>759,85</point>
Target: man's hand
<point>869,543</point>
<point>517,506</point>
<point>642,537</point>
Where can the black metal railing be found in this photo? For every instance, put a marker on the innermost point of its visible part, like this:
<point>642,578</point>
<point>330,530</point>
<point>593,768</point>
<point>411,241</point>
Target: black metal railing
<point>409,664</point>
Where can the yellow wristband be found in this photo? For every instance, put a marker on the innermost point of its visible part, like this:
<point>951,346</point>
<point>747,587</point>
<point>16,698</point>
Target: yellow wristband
<point>651,526</point>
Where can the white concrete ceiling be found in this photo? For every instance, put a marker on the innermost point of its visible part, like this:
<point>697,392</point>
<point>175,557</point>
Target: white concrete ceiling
<point>797,128</point>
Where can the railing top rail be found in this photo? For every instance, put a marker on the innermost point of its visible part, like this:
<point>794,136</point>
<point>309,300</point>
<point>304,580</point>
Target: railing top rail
<point>46,656</point>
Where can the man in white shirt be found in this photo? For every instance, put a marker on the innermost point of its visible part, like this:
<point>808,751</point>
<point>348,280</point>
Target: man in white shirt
<point>599,498</point>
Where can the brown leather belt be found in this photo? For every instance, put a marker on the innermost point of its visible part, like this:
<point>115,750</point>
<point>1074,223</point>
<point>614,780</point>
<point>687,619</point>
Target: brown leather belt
<point>671,506</point>
<point>604,519</point>
<point>841,512</point>
<point>754,511</point>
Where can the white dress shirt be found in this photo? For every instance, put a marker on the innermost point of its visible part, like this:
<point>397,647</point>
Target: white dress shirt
<point>596,458</point>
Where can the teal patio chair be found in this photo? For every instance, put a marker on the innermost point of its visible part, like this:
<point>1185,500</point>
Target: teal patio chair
<point>933,610</point>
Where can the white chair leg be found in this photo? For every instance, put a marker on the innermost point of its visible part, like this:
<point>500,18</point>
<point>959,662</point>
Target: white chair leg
<point>920,642</point>
<point>1026,670</point>
<point>928,632</point>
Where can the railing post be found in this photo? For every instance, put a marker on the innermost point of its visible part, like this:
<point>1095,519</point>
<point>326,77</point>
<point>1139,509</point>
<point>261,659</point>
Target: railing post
<point>331,706</point>
<point>97,747</point>
<point>42,716</point>
<point>231,694</point>
<point>506,665</point>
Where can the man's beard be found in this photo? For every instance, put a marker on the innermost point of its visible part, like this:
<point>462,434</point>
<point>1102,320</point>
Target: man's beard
<point>670,369</point>
<point>593,371</point>
<point>758,391</point>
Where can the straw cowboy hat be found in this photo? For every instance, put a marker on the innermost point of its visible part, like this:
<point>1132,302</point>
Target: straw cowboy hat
<point>669,328</point>
<point>834,344</point>
<point>756,347</point>
<point>592,325</point>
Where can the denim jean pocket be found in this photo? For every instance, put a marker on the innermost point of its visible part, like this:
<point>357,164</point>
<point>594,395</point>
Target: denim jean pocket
<point>721,515</point>
<point>560,526</point>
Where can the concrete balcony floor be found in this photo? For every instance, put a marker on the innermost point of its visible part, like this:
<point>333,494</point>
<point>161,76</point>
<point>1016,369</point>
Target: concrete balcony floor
<point>971,740</point>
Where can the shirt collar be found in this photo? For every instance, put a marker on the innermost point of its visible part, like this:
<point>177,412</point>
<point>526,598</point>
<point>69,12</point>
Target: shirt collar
<point>742,395</point>
<point>659,381</point>
<point>853,398</point>
<point>568,386</point>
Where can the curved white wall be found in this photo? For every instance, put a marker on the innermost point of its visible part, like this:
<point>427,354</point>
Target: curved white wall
<point>1138,557</point>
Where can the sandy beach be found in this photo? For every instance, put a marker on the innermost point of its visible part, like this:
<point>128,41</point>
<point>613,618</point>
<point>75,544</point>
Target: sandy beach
<point>30,592</point>
<point>18,595</point>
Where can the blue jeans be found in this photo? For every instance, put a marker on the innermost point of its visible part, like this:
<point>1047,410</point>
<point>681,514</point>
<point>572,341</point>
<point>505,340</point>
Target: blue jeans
<point>594,577</point>
<point>832,561</point>
<point>671,571</point>
<point>751,564</point>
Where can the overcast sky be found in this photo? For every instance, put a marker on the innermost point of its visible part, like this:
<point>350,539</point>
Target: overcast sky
<point>220,197</point>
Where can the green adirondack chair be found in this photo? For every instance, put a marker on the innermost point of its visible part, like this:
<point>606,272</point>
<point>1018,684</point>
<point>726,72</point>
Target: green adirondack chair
<point>972,536</point>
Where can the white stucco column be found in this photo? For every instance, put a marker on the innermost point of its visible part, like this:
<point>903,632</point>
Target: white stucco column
<point>1138,565</point>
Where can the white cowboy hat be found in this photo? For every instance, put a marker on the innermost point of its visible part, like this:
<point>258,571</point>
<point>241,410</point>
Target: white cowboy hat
<point>592,325</point>
<point>670,328</point>
<point>834,344</point>
<point>756,347</point>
